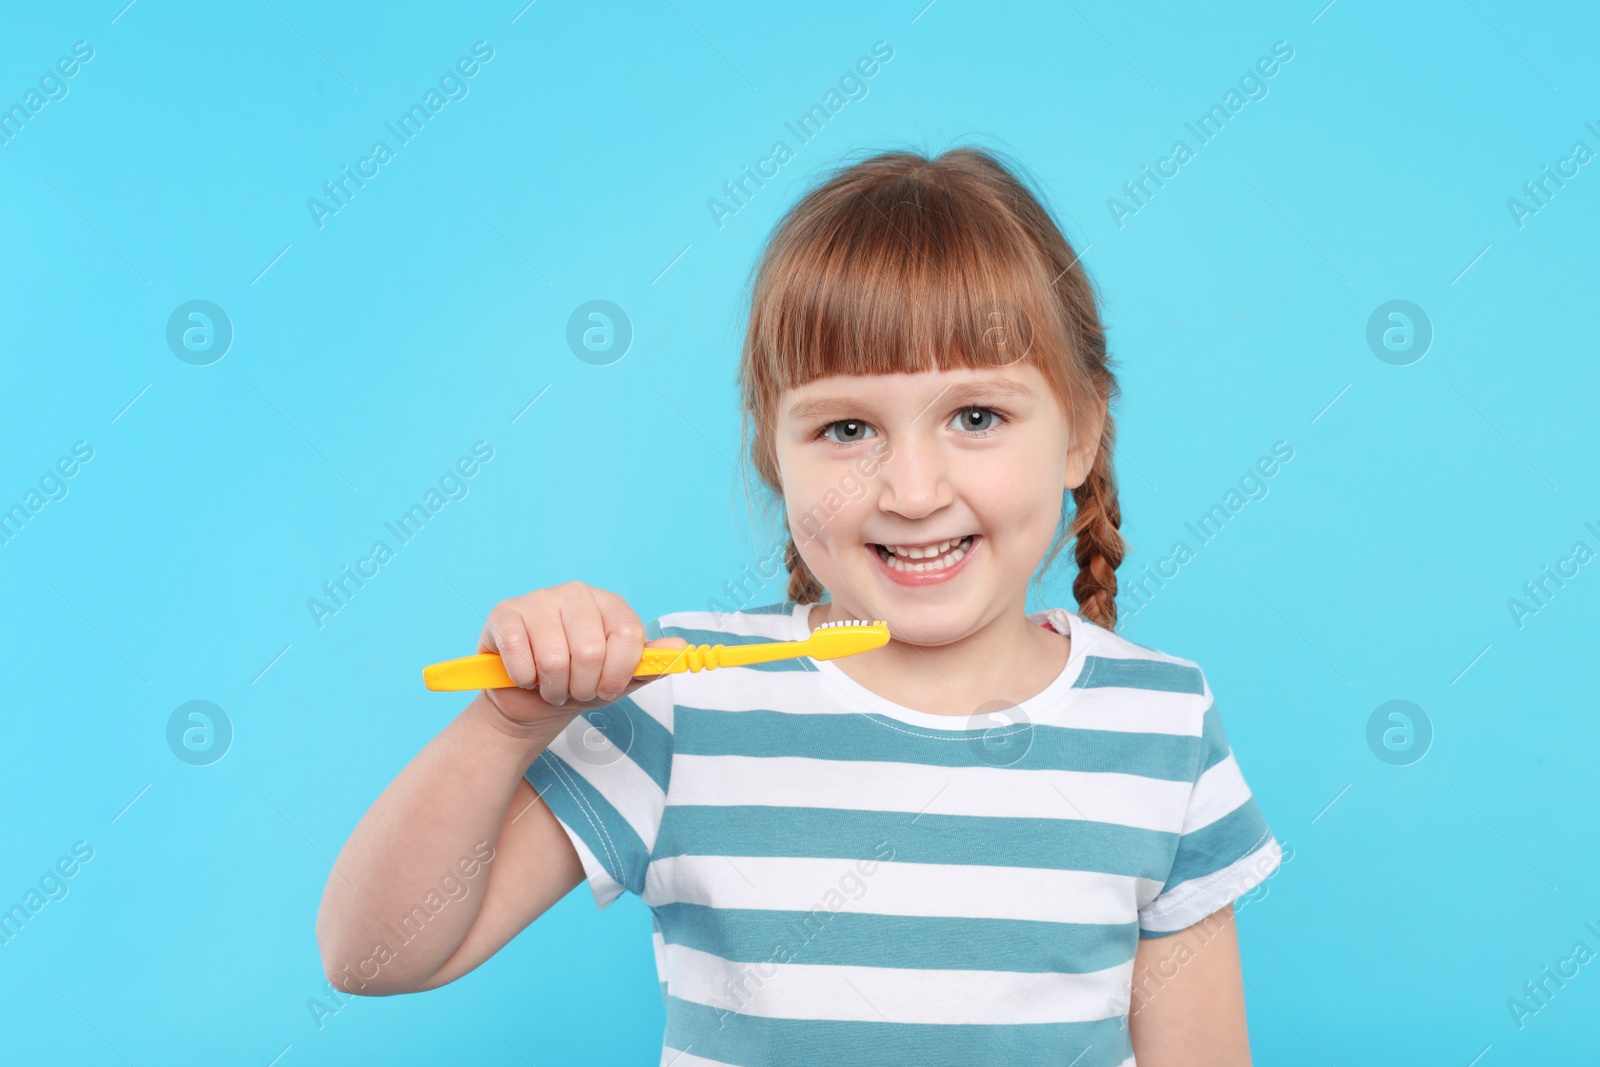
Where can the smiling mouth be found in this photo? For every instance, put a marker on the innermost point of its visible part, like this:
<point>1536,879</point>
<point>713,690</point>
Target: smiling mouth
<point>935,557</point>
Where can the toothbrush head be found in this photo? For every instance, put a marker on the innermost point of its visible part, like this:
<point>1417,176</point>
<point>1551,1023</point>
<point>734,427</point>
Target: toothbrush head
<point>846,637</point>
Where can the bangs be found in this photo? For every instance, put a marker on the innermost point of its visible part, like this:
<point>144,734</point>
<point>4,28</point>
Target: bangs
<point>905,277</point>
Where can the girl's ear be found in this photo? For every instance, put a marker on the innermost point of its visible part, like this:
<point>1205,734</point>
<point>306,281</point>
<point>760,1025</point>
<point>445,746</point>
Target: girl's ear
<point>1085,446</point>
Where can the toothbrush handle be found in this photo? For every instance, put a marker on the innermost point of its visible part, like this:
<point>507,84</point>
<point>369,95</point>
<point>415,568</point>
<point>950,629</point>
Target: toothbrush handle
<point>486,670</point>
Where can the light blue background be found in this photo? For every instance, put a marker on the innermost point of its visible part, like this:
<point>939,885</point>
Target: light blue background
<point>428,313</point>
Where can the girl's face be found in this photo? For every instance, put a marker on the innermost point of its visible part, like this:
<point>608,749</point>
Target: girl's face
<point>928,499</point>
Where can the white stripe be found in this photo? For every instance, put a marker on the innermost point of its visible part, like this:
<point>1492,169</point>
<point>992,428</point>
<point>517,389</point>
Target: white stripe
<point>1220,790</point>
<point>801,693</point>
<point>656,700</point>
<point>660,945</point>
<point>893,994</point>
<point>744,688</point>
<point>1111,645</point>
<point>605,888</point>
<point>890,888</point>
<point>1145,711</point>
<point>1191,901</point>
<point>776,627</point>
<point>921,789</point>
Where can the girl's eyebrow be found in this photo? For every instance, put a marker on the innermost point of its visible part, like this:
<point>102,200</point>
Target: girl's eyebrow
<point>981,389</point>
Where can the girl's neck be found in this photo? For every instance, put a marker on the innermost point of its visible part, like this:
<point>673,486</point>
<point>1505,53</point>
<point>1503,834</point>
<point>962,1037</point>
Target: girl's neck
<point>1008,660</point>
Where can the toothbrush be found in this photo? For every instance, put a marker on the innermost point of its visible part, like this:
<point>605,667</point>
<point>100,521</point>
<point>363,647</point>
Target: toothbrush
<point>828,641</point>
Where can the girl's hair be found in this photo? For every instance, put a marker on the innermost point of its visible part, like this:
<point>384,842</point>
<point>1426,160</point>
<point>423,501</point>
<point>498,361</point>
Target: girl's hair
<point>899,264</point>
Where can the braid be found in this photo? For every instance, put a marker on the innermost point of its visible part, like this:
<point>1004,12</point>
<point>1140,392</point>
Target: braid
<point>1100,547</point>
<point>803,585</point>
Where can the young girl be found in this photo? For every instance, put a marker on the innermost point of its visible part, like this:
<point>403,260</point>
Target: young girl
<point>1003,837</point>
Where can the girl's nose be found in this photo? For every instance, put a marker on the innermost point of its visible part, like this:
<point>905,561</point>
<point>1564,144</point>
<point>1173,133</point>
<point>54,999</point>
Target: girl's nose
<point>915,480</point>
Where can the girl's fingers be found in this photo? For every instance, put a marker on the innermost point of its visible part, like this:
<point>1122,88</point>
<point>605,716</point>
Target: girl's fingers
<point>506,633</point>
<point>586,643</point>
<point>571,645</point>
<point>624,644</point>
<point>551,656</point>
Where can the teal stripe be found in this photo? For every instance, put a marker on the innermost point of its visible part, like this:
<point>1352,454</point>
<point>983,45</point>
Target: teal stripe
<point>1211,848</point>
<point>736,1038</point>
<point>1100,671</point>
<point>704,732</point>
<point>832,833</point>
<point>1213,739</point>
<point>782,607</point>
<point>601,827</point>
<point>637,733</point>
<point>915,942</point>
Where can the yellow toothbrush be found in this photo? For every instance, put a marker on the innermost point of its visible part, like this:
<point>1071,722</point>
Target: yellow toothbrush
<point>828,641</point>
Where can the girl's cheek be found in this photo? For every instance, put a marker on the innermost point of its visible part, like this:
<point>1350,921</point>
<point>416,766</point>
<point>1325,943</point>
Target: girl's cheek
<point>803,502</point>
<point>1026,512</point>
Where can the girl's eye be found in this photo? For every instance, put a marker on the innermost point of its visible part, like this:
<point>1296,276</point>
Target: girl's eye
<point>975,421</point>
<point>978,421</point>
<point>852,430</point>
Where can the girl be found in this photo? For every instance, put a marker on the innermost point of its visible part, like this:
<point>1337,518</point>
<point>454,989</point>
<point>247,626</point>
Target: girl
<point>1003,837</point>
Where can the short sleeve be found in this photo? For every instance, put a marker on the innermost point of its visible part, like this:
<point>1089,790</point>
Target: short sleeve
<point>1225,848</point>
<point>605,779</point>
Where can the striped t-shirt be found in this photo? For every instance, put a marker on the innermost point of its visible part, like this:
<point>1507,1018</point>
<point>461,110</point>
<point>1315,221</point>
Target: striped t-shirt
<point>837,879</point>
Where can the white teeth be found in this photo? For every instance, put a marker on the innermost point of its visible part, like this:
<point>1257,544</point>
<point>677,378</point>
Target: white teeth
<point>936,555</point>
<point>929,552</point>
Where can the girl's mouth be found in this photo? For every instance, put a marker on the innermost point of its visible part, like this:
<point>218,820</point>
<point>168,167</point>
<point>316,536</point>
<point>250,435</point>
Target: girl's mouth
<point>933,563</point>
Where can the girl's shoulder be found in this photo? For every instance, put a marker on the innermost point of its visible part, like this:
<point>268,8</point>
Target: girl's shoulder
<point>1112,659</point>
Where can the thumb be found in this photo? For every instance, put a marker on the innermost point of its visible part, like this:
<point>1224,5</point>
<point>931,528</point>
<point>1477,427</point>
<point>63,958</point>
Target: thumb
<point>659,642</point>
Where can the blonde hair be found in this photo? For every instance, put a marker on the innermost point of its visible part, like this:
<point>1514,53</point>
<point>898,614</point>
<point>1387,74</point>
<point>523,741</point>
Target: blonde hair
<point>901,263</point>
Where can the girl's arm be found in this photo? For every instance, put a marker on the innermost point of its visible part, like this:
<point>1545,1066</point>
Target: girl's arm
<point>458,854</point>
<point>1187,1007</point>
<point>461,796</point>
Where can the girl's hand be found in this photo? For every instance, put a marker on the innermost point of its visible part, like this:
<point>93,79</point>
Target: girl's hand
<point>569,648</point>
